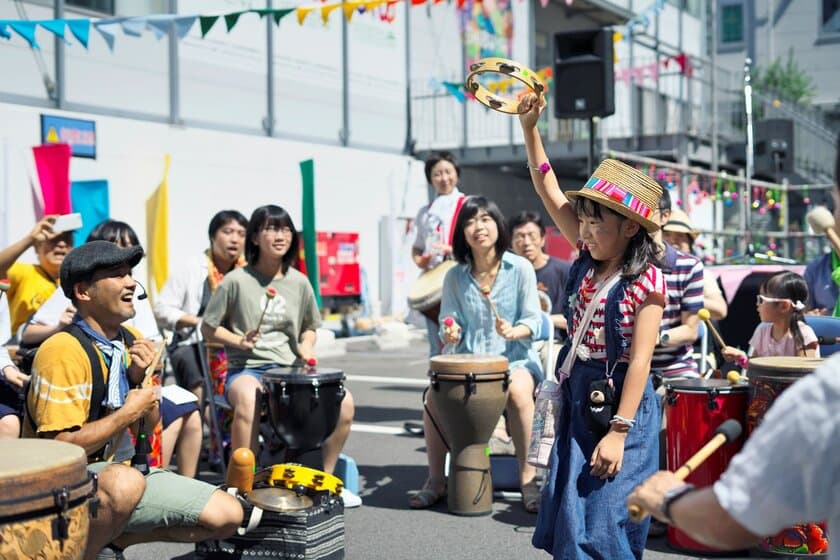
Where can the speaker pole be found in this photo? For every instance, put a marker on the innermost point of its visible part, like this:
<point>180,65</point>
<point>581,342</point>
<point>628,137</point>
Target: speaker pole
<point>591,161</point>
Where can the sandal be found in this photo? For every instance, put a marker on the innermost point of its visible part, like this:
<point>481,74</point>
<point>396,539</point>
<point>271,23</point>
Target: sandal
<point>426,497</point>
<point>531,497</point>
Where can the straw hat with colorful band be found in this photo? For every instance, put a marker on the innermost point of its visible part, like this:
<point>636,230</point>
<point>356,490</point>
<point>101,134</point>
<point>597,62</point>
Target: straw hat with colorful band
<point>679,222</point>
<point>624,189</point>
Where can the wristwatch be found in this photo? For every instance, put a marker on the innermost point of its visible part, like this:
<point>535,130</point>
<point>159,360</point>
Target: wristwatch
<point>672,496</point>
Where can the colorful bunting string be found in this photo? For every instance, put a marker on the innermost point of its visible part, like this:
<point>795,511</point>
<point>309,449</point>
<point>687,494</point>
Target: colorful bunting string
<point>160,24</point>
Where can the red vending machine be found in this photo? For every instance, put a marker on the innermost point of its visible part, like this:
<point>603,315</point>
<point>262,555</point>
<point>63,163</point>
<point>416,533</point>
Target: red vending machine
<point>339,274</point>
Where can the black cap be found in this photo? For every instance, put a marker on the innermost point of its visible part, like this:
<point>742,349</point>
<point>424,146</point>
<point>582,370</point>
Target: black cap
<point>84,260</point>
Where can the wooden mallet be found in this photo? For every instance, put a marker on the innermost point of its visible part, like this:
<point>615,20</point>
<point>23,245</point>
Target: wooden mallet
<point>821,221</point>
<point>725,433</point>
<point>270,294</point>
<point>706,317</point>
<point>486,291</point>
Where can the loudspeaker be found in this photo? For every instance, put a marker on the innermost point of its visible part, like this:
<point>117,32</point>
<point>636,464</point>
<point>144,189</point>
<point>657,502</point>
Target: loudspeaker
<point>584,82</point>
<point>773,148</point>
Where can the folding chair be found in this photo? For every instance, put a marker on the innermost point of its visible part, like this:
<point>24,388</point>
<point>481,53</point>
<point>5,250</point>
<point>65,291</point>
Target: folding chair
<point>827,330</point>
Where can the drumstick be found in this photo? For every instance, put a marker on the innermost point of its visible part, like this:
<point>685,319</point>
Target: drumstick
<point>734,377</point>
<point>153,366</point>
<point>821,221</point>
<point>312,362</point>
<point>486,291</point>
<point>706,317</point>
<point>269,295</point>
<point>725,433</point>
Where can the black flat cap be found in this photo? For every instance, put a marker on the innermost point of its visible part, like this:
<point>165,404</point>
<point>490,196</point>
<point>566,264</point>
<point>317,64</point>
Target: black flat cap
<point>84,260</point>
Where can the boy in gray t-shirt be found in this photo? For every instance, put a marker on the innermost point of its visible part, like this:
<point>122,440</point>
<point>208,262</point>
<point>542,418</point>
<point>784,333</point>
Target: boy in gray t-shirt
<point>291,312</point>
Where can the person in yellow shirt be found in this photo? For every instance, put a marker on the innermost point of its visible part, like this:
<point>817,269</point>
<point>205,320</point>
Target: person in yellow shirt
<point>80,393</point>
<point>32,284</point>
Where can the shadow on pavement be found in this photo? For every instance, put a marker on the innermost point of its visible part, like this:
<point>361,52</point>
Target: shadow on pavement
<point>385,414</point>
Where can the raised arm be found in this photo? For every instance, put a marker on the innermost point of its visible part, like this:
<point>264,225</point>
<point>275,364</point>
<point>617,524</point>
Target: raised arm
<point>546,184</point>
<point>41,232</point>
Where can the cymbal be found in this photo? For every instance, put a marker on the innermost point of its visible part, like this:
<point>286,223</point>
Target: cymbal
<point>278,499</point>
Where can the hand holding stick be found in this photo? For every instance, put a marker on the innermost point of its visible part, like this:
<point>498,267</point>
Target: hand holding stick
<point>147,377</point>
<point>706,317</point>
<point>486,291</point>
<point>270,293</point>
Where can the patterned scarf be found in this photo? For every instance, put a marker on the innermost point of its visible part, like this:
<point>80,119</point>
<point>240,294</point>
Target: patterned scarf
<point>214,275</point>
<point>117,372</point>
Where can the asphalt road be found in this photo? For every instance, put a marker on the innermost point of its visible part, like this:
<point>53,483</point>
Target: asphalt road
<point>387,388</point>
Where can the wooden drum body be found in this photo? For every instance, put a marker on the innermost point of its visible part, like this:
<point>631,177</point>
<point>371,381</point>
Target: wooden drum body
<point>469,392</point>
<point>45,493</point>
<point>769,377</point>
<point>303,404</point>
<point>695,408</point>
<point>425,293</point>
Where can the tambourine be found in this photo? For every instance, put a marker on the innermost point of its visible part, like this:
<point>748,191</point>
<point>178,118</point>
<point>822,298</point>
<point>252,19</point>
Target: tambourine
<point>291,475</point>
<point>508,68</point>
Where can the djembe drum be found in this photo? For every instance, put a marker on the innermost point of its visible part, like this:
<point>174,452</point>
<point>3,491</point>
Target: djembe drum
<point>425,293</point>
<point>769,377</point>
<point>469,392</point>
<point>694,410</point>
<point>45,493</point>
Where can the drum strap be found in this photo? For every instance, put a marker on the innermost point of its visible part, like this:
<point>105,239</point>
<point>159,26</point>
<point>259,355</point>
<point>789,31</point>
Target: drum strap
<point>432,418</point>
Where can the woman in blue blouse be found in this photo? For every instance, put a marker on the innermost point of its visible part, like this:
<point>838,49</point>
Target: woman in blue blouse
<point>480,244</point>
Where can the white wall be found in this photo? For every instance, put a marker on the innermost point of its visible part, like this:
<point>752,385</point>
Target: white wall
<point>212,171</point>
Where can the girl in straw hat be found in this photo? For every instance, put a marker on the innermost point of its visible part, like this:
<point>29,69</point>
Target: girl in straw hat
<point>607,434</point>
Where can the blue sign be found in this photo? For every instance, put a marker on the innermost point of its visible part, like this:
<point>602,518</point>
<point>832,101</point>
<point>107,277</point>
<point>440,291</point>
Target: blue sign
<point>79,134</point>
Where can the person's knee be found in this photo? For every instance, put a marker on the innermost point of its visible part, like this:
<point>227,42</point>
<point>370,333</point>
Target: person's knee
<point>348,408</point>
<point>243,395</point>
<point>222,515</point>
<point>9,427</point>
<point>120,489</point>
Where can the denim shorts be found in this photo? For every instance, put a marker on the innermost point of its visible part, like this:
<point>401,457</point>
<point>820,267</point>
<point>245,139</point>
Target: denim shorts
<point>255,372</point>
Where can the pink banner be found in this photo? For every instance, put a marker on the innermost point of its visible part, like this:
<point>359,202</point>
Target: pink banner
<point>53,165</point>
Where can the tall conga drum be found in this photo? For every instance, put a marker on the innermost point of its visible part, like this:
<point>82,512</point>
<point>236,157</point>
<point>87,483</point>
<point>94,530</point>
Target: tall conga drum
<point>45,490</point>
<point>425,293</point>
<point>468,392</point>
<point>769,377</point>
<point>694,409</point>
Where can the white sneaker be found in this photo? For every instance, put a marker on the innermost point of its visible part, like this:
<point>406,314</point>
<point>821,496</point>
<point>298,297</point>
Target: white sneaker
<point>350,499</point>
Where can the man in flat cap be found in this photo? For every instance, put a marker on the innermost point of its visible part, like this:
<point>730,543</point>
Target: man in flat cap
<point>86,389</point>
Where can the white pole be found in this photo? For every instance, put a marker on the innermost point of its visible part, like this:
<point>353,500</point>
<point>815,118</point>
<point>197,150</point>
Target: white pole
<point>746,197</point>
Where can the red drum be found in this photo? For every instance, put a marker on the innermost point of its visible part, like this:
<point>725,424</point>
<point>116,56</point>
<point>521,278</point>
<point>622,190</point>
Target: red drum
<point>694,410</point>
<point>768,378</point>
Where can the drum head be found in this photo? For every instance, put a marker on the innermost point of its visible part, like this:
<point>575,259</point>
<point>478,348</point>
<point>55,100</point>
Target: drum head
<point>792,364</point>
<point>32,468</point>
<point>468,363</point>
<point>303,375</point>
<point>704,386</point>
<point>427,289</point>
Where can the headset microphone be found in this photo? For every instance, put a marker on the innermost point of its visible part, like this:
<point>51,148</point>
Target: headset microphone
<point>144,295</point>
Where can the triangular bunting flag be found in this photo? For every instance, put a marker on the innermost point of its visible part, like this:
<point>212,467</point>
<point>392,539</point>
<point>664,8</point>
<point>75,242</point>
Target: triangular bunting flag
<point>207,23</point>
<point>302,12</point>
<point>327,9</point>
<point>106,28</point>
<point>133,26</point>
<point>56,26</point>
<point>183,24</point>
<point>160,27</point>
<point>280,14</point>
<point>3,31</point>
<point>25,29</point>
<point>231,19</point>
<point>80,28</point>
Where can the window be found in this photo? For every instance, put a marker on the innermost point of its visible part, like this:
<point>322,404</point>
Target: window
<point>102,6</point>
<point>830,16</point>
<point>731,23</point>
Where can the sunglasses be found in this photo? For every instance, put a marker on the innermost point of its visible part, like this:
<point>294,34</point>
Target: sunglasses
<point>764,299</point>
